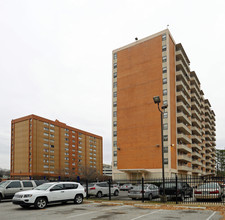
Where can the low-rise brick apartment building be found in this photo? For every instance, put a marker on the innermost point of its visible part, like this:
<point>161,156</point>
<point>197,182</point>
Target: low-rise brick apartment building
<point>157,66</point>
<point>41,148</point>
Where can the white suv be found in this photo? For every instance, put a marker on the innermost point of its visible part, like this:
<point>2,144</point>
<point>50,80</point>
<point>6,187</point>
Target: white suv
<point>102,188</point>
<point>50,193</point>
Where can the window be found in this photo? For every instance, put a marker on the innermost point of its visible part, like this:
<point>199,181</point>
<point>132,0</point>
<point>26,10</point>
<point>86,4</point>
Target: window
<point>51,151</point>
<point>73,141</point>
<point>52,141</point>
<point>57,187</point>
<point>66,134</point>
<point>165,126</point>
<point>73,136</point>
<point>66,129</point>
<point>66,144</point>
<point>114,113</point>
<point>165,149</point>
<point>165,160</point>
<point>165,137</point>
<point>73,132</point>
<point>51,125</point>
<point>45,123</point>
<point>164,59</point>
<point>114,104</point>
<point>46,129</point>
<point>115,75</point>
<point>66,153</point>
<point>115,94</point>
<point>79,151</point>
<point>66,139</point>
<point>114,133</point>
<point>73,155</point>
<point>114,143</point>
<point>115,56</point>
<point>45,134</point>
<point>165,102</point>
<point>51,130</point>
<point>115,123</point>
<point>163,37</point>
<point>66,149</point>
<point>14,184</point>
<point>46,145</point>
<point>73,145</point>
<point>164,48</point>
<point>115,65</point>
<point>79,147</point>
<point>164,70</point>
<point>115,163</point>
<point>51,135</point>
<point>165,115</point>
<point>45,150</point>
<point>114,84</point>
<point>164,91</point>
<point>66,158</point>
<point>45,166</point>
<point>164,80</point>
<point>114,153</point>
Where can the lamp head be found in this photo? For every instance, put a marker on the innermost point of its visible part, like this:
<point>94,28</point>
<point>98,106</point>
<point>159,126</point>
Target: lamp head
<point>156,99</point>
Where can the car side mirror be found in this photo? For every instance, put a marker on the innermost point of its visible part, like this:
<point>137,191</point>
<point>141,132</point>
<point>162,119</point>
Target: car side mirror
<point>8,187</point>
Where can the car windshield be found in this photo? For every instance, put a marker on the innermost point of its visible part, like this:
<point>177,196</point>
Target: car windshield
<point>44,186</point>
<point>208,186</point>
<point>4,183</point>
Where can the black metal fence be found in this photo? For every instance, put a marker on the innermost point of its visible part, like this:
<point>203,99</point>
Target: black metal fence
<point>177,190</point>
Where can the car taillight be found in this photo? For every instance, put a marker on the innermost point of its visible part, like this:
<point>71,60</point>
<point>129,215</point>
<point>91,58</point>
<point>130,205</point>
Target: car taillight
<point>197,192</point>
<point>92,188</point>
<point>142,191</point>
<point>214,192</point>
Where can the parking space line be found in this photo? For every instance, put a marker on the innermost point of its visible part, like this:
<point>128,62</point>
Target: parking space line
<point>146,215</point>
<point>88,213</point>
<point>211,216</point>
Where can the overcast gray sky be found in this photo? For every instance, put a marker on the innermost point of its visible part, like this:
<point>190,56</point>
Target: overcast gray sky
<point>55,57</point>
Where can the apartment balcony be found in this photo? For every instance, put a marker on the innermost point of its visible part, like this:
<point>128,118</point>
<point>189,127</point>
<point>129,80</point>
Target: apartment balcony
<point>194,105</point>
<point>208,166</point>
<point>182,96</point>
<point>196,154</point>
<point>181,66</point>
<point>181,87</point>
<point>196,99</point>
<point>196,162</point>
<point>196,122</point>
<point>207,125</point>
<point>184,168</point>
<point>195,114</point>
<point>196,170</point>
<point>184,148</point>
<point>182,107</point>
<point>196,90</point>
<point>183,118</point>
<point>181,56</point>
<point>207,112</point>
<point>183,128</point>
<point>195,130</point>
<point>196,146</point>
<point>213,143</point>
<point>207,130</point>
<point>180,75</point>
<point>208,143</point>
<point>184,157</point>
<point>207,119</point>
<point>196,138</point>
<point>208,137</point>
<point>184,138</point>
<point>213,128</point>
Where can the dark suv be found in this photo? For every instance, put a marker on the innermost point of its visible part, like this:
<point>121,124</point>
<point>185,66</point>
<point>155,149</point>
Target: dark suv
<point>183,190</point>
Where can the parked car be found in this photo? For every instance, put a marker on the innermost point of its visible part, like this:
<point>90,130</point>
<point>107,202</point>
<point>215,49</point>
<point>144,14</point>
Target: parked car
<point>9,187</point>
<point>50,193</point>
<point>101,188</point>
<point>126,187</point>
<point>183,190</point>
<point>150,191</point>
<point>211,190</point>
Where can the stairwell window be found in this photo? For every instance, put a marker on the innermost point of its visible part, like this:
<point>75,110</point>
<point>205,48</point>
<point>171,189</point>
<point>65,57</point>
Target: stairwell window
<point>115,75</point>
<point>115,94</point>
<point>163,37</point>
<point>114,133</point>
<point>165,126</point>
<point>164,80</point>
<point>163,48</point>
<point>164,91</point>
<point>164,69</point>
<point>165,115</point>
<point>164,59</point>
<point>115,65</point>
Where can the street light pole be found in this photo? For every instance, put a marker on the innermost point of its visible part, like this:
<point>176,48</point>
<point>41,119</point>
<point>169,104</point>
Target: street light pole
<point>157,101</point>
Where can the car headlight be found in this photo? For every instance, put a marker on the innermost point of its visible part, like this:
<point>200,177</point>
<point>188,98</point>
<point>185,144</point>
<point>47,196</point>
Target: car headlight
<point>27,195</point>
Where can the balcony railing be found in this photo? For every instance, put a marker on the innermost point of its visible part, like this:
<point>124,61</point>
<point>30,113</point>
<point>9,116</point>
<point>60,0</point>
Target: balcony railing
<point>184,148</point>
<point>184,138</point>
<point>182,117</point>
<point>184,157</point>
<point>184,168</point>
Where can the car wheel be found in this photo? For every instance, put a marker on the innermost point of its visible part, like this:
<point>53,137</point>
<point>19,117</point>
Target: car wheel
<point>25,206</point>
<point>0,197</point>
<point>40,203</point>
<point>99,194</point>
<point>133,198</point>
<point>78,199</point>
<point>64,202</point>
<point>116,193</point>
<point>150,197</point>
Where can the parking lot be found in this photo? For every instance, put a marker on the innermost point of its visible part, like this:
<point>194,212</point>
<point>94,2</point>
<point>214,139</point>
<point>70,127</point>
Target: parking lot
<point>96,211</point>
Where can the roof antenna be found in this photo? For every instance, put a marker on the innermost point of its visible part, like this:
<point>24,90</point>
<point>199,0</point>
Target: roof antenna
<point>136,38</point>
<point>168,26</point>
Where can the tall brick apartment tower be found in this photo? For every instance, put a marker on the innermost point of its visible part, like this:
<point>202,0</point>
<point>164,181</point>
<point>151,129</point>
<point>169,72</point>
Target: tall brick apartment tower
<point>157,66</point>
<point>44,148</point>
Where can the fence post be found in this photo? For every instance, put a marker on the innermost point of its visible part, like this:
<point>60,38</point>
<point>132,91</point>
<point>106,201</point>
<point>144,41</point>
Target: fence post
<point>87,189</point>
<point>176,190</point>
<point>109,189</point>
<point>142,188</point>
